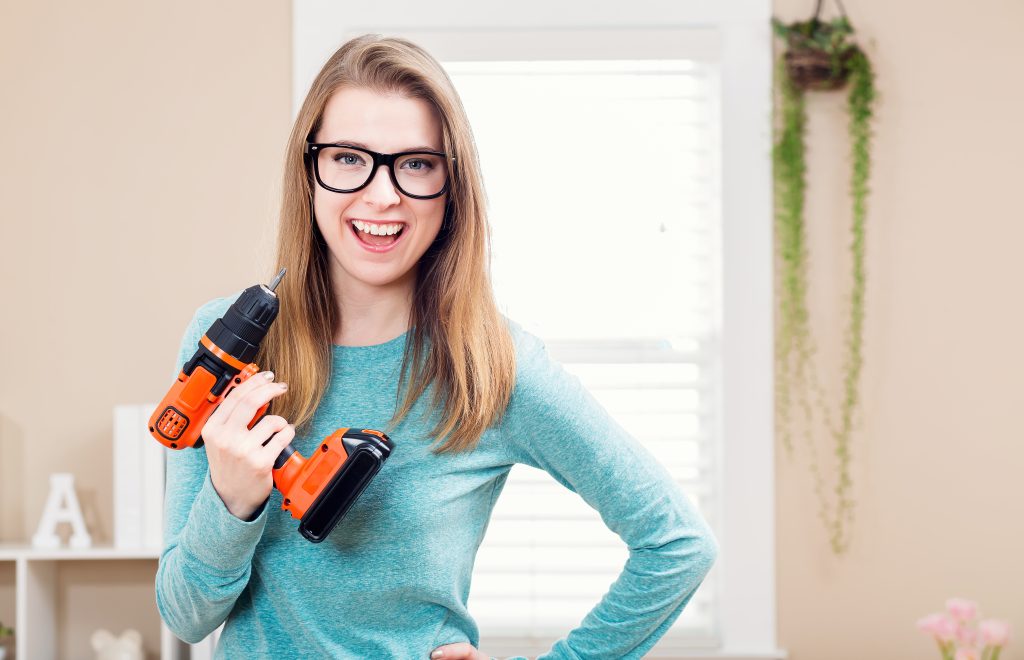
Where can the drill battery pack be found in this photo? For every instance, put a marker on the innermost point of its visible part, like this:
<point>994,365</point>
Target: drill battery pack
<point>331,479</point>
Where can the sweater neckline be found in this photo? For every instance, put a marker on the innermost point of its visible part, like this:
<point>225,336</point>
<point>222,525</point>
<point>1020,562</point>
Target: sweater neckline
<point>391,347</point>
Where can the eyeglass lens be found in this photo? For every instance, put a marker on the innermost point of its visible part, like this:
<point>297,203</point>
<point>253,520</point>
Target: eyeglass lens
<point>347,168</point>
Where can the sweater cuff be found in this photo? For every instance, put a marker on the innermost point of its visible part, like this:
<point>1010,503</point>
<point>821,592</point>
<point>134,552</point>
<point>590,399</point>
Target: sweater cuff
<point>216,537</point>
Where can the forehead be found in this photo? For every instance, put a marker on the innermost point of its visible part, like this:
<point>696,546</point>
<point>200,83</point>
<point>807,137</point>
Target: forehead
<point>384,122</point>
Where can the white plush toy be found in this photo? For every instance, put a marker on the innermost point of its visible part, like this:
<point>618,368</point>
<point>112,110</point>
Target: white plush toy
<point>126,647</point>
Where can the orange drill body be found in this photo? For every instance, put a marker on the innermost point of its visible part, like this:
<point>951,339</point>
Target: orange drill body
<point>178,421</point>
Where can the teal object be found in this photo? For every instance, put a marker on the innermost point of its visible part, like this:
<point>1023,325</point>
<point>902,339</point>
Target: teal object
<point>393,579</point>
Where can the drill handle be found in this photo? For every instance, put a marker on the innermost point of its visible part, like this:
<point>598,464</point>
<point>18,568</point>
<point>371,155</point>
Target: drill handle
<point>179,419</point>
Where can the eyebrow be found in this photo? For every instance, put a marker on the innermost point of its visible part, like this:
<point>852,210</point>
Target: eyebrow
<point>353,143</point>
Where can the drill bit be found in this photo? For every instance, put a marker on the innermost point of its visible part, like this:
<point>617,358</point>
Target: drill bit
<point>277,280</point>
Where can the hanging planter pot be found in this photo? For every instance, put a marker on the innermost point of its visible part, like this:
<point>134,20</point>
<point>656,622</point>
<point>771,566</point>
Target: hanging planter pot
<point>820,56</point>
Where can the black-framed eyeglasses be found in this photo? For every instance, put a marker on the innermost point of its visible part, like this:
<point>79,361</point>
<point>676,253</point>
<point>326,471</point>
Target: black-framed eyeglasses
<point>343,168</point>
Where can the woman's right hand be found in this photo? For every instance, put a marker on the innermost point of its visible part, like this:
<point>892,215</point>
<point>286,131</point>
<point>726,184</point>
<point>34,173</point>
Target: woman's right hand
<point>241,468</point>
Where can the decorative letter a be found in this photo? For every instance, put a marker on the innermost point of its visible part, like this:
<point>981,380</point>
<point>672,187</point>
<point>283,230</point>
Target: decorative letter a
<point>61,506</point>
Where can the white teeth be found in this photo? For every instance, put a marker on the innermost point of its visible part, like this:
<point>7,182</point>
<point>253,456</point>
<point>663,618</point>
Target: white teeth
<point>376,229</point>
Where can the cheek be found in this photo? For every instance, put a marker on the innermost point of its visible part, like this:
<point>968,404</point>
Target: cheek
<point>433,216</point>
<point>328,211</point>
<point>429,222</point>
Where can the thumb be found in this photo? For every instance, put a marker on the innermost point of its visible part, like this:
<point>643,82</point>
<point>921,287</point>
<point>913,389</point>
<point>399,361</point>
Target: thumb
<point>457,651</point>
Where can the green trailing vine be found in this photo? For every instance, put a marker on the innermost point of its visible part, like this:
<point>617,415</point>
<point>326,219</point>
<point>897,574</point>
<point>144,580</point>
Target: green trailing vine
<point>792,338</point>
<point>820,56</point>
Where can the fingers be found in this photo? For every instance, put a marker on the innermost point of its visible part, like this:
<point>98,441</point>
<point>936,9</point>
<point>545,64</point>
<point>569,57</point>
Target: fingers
<point>275,445</point>
<point>251,401</point>
<point>231,399</point>
<point>267,427</point>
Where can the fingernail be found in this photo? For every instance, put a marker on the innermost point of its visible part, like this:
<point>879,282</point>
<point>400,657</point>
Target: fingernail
<point>284,386</point>
<point>437,654</point>
<point>269,375</point>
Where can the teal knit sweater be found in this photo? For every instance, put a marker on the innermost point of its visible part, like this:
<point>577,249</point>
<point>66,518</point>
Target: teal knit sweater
<point>393,578</point>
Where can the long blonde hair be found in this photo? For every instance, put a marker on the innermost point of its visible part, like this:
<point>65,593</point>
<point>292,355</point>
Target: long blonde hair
<point>471,360</point>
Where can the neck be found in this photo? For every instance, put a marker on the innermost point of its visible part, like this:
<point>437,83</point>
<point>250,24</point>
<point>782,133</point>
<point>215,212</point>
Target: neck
<point>372,314</point>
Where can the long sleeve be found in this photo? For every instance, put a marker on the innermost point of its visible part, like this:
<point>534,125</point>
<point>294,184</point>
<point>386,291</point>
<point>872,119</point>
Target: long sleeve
<point>207,555</point>
<point>554,423</point>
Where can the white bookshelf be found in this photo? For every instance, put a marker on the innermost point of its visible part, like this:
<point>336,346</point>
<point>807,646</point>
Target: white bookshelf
<point>16,551</point>
<point>37,570</point>
<point>36,597</point>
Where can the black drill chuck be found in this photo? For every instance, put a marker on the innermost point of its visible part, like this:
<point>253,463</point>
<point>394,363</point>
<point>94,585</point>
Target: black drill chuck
<point>245,324</point>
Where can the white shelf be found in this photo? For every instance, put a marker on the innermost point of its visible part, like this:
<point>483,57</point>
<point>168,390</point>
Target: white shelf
<point>15,551</point>
<point>138,522</point>
<point>36,595</point>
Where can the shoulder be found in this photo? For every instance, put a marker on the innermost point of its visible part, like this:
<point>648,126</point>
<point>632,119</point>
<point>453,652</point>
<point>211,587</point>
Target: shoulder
<point>530,351</point>
<point>213,309</point>
<point>550,410</point>
<point>525,341</point>
<point>540,379</point>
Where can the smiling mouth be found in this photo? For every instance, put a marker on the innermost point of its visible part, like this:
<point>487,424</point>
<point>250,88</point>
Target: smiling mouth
<point>364,232</point>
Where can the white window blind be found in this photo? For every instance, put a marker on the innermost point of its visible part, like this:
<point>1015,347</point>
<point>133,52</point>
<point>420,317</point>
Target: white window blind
<point>603,184</point>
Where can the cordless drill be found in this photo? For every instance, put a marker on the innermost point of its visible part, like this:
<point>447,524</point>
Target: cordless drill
<point>318,490</point>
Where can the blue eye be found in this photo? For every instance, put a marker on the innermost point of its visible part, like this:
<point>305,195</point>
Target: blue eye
<point>348,159</point>
<point>419,165</point>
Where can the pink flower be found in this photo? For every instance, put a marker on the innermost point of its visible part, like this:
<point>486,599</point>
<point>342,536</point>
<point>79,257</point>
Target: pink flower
<point>966,654</point>
<point>962,609</point>
<point>965,635</point>
<point>994,632</point>
<point>939,626</point>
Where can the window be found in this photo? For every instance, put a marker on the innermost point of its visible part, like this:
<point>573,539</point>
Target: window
<point>602,183</point>
<point>726,456</point>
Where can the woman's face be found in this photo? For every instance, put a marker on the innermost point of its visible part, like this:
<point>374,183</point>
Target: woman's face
<point>386,123</point>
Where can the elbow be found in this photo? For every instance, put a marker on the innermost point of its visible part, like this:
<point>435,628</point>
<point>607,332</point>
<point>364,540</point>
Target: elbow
<point>185,631</point>
<point>183,623</point>
<point>708,549</point>
<point>694,554</point>
<point>702,551</point>
<point>688,556</point>
<point>175,622</point>
<point>698,547</point>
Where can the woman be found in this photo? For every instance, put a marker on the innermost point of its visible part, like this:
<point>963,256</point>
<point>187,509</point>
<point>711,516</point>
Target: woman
<point>388,321</point>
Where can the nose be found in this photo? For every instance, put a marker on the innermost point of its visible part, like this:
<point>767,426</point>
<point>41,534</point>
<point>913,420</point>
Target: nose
<point>380,192</point>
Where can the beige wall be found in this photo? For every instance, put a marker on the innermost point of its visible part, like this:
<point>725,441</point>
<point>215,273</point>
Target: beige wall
<point>141,148</point>
<point>134,135</point>
<point>939,459</point>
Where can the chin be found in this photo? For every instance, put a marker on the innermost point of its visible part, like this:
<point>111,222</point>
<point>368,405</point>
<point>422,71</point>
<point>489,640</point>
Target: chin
<point>383,276</point>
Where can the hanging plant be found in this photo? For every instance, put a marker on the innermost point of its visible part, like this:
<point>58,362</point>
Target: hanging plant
<point>819,55</point>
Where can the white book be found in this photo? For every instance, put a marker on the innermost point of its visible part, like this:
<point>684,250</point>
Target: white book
<point>153,457</point>
<point>128,497</point>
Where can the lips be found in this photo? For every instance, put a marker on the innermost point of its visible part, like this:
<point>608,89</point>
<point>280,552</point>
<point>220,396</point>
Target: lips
<point>358,235</point>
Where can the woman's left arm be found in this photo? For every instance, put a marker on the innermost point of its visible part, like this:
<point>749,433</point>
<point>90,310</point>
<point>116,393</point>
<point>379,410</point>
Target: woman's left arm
<point>555,424</point>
